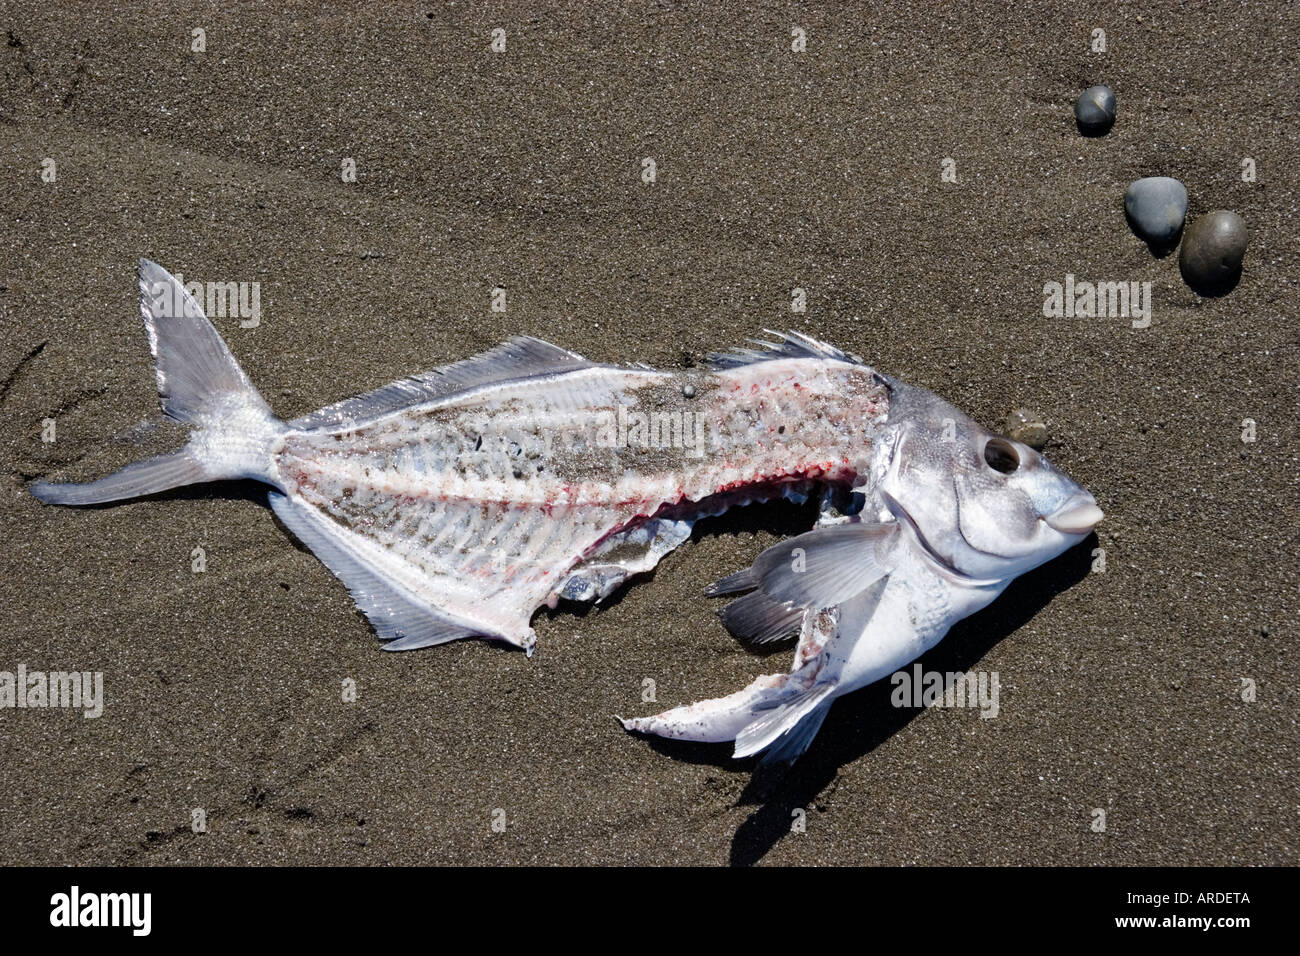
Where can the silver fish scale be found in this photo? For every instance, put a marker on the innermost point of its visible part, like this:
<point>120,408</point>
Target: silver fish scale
<point>492,497</point>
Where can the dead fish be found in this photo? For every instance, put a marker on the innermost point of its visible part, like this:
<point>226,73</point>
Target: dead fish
<point>457,502</point>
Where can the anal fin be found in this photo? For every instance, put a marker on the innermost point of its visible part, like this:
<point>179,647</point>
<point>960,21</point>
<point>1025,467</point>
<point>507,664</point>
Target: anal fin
<point>398,617</point>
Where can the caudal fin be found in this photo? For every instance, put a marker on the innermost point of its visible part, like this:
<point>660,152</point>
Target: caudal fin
<point>200,384</point>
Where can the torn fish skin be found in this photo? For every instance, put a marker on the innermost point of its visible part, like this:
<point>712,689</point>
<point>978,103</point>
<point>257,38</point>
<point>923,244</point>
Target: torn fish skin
<point>456,503</point>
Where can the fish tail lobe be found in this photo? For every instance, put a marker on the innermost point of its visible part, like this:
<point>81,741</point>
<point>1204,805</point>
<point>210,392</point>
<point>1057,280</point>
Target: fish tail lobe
<point>199,383</point>
<point>198,379</point>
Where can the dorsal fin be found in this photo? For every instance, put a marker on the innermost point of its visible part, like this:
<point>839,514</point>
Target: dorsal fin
<point>522,357</point>
<point>790,345</point>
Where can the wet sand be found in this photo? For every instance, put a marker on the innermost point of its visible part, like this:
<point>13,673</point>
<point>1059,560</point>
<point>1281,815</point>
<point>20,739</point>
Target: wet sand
<point>1120,690</point>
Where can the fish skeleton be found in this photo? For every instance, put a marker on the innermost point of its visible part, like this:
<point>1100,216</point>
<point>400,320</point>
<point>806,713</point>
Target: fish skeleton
<point>457,502</point>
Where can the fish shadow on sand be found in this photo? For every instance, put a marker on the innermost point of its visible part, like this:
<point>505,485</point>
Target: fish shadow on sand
<point>860,722</point>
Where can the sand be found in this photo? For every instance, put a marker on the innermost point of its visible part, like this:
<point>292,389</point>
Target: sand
<point>1120,691</point>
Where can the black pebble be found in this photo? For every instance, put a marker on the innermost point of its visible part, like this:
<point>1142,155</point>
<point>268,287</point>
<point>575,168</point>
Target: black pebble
<point>1094,111</point>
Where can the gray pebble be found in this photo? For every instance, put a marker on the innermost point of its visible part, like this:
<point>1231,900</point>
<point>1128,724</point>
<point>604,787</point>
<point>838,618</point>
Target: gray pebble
<point>688,391</point>
<point>1212,252</point>
<point>1156,207</point>
<point>1094,110</point>
<point>1024,426</point>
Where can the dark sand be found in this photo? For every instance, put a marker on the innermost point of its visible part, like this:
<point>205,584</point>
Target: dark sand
<point>1119,690</point>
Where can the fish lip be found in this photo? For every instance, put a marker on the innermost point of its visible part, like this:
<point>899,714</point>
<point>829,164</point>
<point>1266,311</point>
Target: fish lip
<point>1079,515</point>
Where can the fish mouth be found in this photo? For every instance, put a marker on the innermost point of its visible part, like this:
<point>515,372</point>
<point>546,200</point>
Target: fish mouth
<point>1079,515</point>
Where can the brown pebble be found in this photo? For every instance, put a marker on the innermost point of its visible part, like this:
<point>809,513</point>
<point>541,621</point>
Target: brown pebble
<point>1213,248</point>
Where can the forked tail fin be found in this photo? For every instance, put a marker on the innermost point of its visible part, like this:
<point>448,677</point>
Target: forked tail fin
<point>199,383</point>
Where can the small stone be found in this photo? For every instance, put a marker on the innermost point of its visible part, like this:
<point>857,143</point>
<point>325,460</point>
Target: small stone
<point>1213,248</point>
<point>1156,207</point>
<point>688,391</point>
<point>1024,426</point>
<point>1094,110</point>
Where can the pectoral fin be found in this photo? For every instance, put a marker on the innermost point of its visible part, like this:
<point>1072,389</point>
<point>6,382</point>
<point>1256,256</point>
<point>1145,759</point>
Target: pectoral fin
<point>827,566</point>
<point>822,568</point>
<point>757,619</point>
<point>774,713</point>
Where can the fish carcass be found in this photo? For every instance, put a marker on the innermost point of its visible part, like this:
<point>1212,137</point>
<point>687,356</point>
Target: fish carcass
<point>457,502</point>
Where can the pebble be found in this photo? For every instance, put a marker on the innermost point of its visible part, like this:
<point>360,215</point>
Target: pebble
<point>1156,207</point>
<point>1094,110</point>
<point>1213,248</point>
<point>1024,426</point>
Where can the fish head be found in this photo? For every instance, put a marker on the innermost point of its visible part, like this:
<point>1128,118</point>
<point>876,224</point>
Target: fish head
<point>983,505</point>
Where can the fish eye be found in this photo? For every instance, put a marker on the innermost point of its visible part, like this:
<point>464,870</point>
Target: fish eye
<point>1001,455</point>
